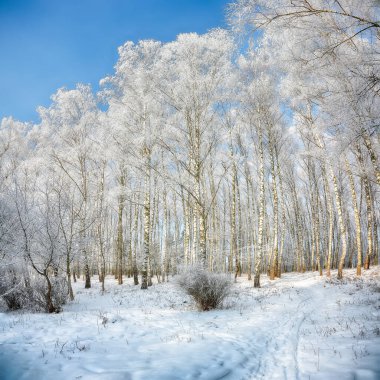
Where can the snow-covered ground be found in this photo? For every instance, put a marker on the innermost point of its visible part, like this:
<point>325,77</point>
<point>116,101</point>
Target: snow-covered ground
<point>301,326</point>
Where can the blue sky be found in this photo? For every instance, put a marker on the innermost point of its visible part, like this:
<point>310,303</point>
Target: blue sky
<point>48,44</point>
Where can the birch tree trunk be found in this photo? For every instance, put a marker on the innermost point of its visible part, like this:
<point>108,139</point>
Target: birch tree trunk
<point>84,227</point>
<point>202,236</point>
<point>249,222</point>
<point>317,234</point>
<point>342,228</point>
<point>331,220</point>
<point>259,248</point>
<point>100,229</point>
<point>234,253</point>
<point>283,219</point>
<point>357,219</point>
<point>165,237</point>
<point>239,230</point>
<point>130,248</point>
<point>368,199</point>
<point>135,232</point>
<point>274,255</point>
<point>214,239</point>
<point>85,256</point>
<point>120,240</point>
<point>145,268</point>
<point>174,259</point>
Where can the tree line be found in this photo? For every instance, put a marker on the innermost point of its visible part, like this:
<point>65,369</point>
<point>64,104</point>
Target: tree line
<point>251,150</point>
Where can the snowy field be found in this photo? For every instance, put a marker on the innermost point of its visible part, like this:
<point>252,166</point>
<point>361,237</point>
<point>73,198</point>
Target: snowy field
<point>299,327</point>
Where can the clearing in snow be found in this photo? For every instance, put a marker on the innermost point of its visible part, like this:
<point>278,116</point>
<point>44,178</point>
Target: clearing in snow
<point>301,326</point>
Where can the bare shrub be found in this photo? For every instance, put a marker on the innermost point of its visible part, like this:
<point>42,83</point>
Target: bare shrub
<point>39,294</point>
<point>12,289</point>
<point>206,288</point>
<point>21,291</point>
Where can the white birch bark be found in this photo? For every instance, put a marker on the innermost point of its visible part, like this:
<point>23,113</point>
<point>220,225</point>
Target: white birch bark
<point>358,229</point>
<point>260,240</point>
<point>145,268</point>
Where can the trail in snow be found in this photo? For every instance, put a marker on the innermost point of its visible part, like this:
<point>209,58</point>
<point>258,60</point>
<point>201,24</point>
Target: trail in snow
<point>297,327</point>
